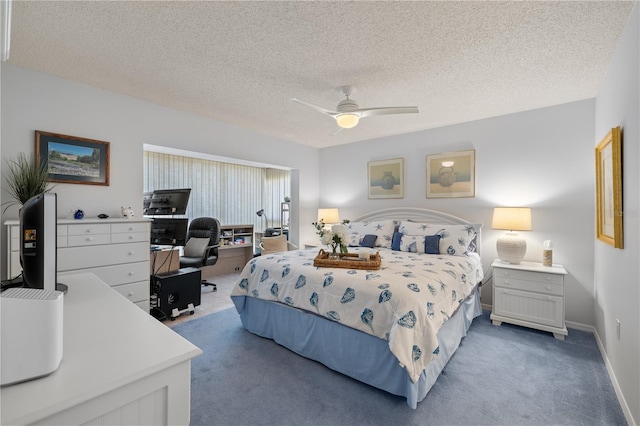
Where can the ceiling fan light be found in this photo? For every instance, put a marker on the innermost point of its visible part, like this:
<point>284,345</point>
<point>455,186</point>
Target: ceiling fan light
<point>347,120</point>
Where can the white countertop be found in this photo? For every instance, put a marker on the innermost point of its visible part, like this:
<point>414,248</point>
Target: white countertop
<point>108,342</point>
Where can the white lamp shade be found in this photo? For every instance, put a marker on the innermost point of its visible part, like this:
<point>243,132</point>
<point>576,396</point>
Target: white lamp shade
<point>328,215</point>
<point>511,248</point>
<point>512,218</point>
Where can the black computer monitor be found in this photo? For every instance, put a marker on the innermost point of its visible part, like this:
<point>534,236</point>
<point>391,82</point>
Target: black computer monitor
<point>169,231</point>
<point>146,202</point>
<point>169,201</point>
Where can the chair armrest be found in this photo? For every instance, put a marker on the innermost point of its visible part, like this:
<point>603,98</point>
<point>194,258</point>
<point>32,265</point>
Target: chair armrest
<point>210,250</point>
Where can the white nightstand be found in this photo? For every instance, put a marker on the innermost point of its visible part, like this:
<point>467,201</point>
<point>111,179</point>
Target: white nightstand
<point>530,295</point>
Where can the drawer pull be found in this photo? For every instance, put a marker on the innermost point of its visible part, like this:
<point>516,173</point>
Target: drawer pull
<point>131,274</point>
<point>548,287</point>
<point>89,239</point>
<point>505,282</point>
<point>130,294</point>
<point>130,253</point>
<point>547,278</point>
<point>131,228</point>
<point>131,237</point>
<point>89,230</point>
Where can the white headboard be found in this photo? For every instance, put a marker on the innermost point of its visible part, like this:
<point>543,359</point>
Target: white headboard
<point>416,214</point>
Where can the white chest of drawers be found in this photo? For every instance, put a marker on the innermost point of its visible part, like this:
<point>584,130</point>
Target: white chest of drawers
<point>530,295</point>
<point>116,250</point>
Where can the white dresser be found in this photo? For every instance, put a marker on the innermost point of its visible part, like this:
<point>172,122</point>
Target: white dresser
<point>529,294</point>
<point>116,250</point>
<point>119,366</point>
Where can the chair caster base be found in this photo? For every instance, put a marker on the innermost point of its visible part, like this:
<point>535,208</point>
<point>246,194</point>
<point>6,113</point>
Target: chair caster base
<point>206,283</point>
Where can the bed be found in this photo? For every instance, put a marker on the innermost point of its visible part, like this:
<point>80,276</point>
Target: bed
<point>394,328</point>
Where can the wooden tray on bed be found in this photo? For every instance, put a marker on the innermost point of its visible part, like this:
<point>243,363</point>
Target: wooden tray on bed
<point>348,261</point>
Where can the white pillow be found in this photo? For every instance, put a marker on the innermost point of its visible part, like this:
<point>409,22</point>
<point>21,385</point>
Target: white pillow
<point>354,239</point>
<point>195,247</point>
<point>382,228</point>
<point>412,243</point>
<point>454,239</point>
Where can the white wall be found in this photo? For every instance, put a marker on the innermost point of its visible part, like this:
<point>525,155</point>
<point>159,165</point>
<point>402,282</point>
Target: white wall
<point>35,101</point>
<point>617,271</point>
<point>542,159</point>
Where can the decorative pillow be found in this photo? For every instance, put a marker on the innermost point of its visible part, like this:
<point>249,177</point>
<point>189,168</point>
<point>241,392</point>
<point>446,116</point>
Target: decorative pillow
<point>397,239</point>
<point>454,239</point>
<point>195,247</point>
<point>432,244</point>
<point>354,239</point>
<point>383,229</point>
<point>413,243</point>
<point>369,240</point>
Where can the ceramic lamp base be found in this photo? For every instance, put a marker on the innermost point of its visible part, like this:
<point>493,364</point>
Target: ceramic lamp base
<point>511,248</point>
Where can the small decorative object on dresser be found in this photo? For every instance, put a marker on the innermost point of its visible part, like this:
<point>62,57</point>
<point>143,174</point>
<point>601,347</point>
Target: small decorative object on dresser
<point>529,294</point>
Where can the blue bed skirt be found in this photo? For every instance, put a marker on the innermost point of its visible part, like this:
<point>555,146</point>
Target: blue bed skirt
<point>351,352</point>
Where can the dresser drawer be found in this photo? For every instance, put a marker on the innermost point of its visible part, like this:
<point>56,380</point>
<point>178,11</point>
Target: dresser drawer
<point>88,240</point>
<point>534,286</point>
<point>129,237</point>
<point>92,256</point>
<point>135,292</point>
<point>123,228</point>
<point>62,235</point>
<point>118,274</point>
<point>88,229</point>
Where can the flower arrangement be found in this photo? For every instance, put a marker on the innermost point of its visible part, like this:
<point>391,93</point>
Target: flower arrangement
<point>336,237</point>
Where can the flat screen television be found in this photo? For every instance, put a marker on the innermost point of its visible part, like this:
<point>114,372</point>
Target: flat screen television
<point>169,231</point>
<point>38,242</point>
<point>169,201</point>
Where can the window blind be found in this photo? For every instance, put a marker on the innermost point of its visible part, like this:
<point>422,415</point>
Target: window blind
<point>231,193</point>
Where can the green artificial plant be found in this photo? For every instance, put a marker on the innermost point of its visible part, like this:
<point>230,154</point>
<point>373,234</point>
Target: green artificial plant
<point>25,179</point>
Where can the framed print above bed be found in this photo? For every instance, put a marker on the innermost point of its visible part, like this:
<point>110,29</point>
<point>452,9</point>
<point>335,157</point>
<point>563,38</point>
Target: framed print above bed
<point>451,174</point>
<point>72,159</point>
<point>609,189</point>
<point>386,178</point>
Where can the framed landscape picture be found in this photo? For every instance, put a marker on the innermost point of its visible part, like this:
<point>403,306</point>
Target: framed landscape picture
<point>386,178</point>
<point>73,160</point>
<point>451,174</point>
<point>609,189</point>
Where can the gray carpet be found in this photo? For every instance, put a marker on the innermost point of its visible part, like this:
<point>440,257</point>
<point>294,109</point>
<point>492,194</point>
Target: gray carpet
<point>504,375</point>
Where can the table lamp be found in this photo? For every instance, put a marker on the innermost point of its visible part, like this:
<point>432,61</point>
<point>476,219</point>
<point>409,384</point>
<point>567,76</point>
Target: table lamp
<point>511,248</point>
<point>328,216</point>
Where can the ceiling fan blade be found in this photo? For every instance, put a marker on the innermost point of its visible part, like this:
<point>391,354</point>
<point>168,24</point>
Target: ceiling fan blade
<point>316,107</point>
<point>366,112</point>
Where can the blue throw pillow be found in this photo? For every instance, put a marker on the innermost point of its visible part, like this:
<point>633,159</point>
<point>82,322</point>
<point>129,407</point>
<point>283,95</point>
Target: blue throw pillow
<point>432,244</point>
<point>369,240</point>
<point>395,242</point>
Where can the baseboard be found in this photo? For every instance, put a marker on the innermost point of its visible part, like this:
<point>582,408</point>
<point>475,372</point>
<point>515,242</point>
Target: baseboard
<point>614,381</point>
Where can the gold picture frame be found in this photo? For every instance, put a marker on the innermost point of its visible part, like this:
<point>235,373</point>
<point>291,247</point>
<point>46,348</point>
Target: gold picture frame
<point>451,174</point>
<point>609,189</point>
<point>386,178</point>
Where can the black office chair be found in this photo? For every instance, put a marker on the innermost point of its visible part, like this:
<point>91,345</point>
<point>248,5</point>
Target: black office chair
<point>201,249</point>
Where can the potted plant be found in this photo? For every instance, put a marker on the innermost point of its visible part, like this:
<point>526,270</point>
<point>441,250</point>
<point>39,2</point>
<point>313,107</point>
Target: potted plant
<point>25,179</point>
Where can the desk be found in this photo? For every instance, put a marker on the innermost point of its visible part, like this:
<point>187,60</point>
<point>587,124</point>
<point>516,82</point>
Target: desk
<point>119,366</point>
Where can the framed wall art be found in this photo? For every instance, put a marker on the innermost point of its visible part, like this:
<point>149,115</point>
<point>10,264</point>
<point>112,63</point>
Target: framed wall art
<point>451,174</point>
<point>73,160</point>
<point>386,178</point>
<point>609,189</point>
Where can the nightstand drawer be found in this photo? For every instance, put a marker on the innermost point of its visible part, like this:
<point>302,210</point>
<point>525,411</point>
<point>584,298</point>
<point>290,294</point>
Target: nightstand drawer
<point>530,307</point>
<point>529,276</point>
<point>538,287</point>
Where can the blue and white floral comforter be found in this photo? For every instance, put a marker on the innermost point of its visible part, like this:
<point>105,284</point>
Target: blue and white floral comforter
<point>404,302</point>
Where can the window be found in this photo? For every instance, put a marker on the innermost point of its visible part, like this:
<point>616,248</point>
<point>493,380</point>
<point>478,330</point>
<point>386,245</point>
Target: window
<point>231,193</point>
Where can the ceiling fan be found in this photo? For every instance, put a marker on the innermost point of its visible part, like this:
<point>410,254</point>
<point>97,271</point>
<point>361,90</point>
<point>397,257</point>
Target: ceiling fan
<point>348,113</point>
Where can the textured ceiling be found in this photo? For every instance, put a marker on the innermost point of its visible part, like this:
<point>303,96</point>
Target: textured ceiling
<point>242,62</point>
